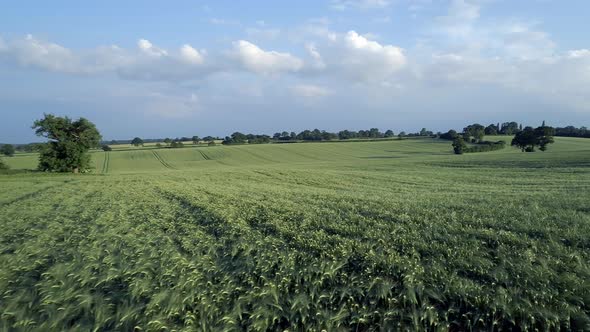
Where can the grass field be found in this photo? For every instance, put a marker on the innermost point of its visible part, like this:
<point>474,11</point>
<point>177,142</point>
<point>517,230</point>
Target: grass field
<point>391,235</point>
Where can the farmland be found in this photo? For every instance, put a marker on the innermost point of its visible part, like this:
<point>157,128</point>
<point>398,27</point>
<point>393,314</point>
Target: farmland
<point>389,235</point>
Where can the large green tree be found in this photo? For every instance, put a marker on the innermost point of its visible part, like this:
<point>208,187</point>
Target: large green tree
<point>69,142</point>
<point>529,138</point>
<point>7,150</point>
<point>475,131</point>
<point>137,141</point>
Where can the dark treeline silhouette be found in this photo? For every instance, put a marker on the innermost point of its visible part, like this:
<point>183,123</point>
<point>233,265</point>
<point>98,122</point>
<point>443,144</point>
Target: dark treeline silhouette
<point>512,128</point>
<point>571,131</point>
<point>317,136</point>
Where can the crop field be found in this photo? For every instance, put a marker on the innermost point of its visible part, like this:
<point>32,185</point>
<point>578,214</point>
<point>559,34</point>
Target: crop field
<point>363,236</point>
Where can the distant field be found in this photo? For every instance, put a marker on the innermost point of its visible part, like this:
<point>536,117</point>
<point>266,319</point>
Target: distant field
<point>386,235</point>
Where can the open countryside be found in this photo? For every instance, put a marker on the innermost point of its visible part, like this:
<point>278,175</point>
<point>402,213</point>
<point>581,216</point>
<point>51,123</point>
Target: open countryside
<point>392,234</point>
<point>295,166</point>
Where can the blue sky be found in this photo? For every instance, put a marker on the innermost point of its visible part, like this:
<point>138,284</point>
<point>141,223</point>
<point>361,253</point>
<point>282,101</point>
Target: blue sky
<point>180,68</point>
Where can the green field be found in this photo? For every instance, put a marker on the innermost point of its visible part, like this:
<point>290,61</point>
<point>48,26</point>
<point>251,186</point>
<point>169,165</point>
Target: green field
<point>387,235</point>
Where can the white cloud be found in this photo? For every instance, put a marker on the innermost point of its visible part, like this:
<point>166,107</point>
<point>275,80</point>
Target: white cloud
<point>582,53</point>
<point>191,55</point>
<point>32,52</point>
<point>318,62</point>
<point>310,91</point>
<point>368,60</point>
<point>257,60</point>
<point>148,48</point>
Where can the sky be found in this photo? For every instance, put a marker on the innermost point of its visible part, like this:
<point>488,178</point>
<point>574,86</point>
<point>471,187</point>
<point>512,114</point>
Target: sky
<point>181,68</point>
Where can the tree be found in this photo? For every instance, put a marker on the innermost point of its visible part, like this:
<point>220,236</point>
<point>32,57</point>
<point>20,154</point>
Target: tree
<point>158,145</point>
<point>69,142</point>
<point>167,140</point>
<point>449,135</point>
<point>196,139</point>
<point>491,130</point>
<point>7,150</point>
<point>475,130</point>
<point>137,141</point>
<point>388,133</point>
<point>106,148</point>
<point>176,144</point>
<point>459,145</point>
<point>509,128</point>
<point>544,136</point>
<point>211,143</point>
<point>525,139</point>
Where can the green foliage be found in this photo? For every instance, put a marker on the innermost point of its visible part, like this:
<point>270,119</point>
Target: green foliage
<point>106,148</point>
<point>529,138</point>
<point>176,144</point>
<point>69,142</point>
<point>3,166</point>
<point>492,130</point>
<point>137,141</point>
<point>475,131</point>
<point>449,135</point>
<point>459,145</point>
<point>196,139</point>
<point>485,146</point>
<point>7,150</point>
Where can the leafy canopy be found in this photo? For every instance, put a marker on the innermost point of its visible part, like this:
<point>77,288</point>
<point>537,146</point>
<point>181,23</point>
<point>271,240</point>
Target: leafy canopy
<point>529,138</point>
<point>69,142</point>
<point>137,141</point>
<point>7,150</point>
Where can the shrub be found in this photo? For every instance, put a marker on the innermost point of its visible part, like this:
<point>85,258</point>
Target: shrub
<point>486,146</point>
<point>459,145</point>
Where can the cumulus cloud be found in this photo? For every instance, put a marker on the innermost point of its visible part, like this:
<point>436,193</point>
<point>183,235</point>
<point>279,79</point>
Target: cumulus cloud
<point>252,58</point>
<point>32,52</point>
<point>191,55</point>
<point>367,59</point>
<point>148,48</point>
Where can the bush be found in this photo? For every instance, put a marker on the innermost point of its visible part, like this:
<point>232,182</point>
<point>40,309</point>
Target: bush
<point>176,144</point>
<point>459,145</point>
<point>212,143</point>
<point>486,146</point>
<point>106,148</point>
<point>3,165</point>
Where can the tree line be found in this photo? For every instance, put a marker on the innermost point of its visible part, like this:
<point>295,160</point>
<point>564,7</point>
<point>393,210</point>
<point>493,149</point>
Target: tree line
<point>526,139</point>
<point>69,140</point>
<point>317,135</point>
